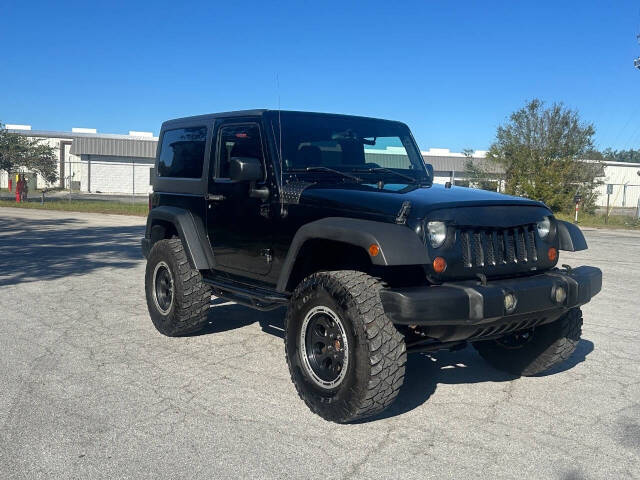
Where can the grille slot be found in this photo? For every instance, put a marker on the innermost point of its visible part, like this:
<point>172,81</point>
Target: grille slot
<point>498,247</point>
<point>505,328</point>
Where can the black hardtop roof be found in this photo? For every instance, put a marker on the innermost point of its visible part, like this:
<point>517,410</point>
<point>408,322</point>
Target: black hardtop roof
<point>255,113</point>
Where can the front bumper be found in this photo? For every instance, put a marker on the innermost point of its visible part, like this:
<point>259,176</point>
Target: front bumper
<point>471,303</point>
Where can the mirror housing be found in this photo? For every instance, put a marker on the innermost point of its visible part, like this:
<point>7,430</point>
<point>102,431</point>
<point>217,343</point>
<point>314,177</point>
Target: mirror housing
<point>429,168</point>
<point>245,169</point>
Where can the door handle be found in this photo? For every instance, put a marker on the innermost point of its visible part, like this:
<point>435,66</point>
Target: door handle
<point>216,198</point>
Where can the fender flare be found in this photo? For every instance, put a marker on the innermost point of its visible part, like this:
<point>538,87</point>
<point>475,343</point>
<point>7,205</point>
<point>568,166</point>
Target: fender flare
<point>191,232</point>
<point>398,244</point>
<point>570,237</point>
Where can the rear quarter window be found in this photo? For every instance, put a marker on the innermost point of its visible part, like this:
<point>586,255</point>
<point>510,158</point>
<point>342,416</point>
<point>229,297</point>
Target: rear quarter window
<point>182,152</point>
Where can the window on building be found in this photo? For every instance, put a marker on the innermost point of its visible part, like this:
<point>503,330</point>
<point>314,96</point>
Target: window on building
<point>238,141</point>
<point>182,152</point>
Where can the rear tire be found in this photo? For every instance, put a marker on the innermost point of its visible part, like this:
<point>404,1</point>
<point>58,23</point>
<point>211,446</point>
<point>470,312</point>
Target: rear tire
<point>549,345</point>
<point>177,298</point>
<point>346,358</point>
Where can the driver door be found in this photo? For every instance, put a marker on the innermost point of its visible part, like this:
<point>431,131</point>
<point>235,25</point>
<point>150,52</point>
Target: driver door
<point>238,233</point>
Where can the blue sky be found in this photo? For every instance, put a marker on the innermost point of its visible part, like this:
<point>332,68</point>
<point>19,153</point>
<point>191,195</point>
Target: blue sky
<point>452,70</point>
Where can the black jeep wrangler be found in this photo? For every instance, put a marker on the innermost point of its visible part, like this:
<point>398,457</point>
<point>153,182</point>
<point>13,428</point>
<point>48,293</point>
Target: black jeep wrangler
<point>337,218</point>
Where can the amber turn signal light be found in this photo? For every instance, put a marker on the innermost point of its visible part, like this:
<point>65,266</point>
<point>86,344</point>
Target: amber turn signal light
<point>553,254</point>
<point>439,264</point>
<point>374,249</point>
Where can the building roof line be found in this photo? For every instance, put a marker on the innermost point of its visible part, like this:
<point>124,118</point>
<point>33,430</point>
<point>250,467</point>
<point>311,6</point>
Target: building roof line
<point>72,135</point>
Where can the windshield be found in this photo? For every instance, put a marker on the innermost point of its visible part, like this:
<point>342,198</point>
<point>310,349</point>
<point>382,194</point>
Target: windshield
<point>322,143</point>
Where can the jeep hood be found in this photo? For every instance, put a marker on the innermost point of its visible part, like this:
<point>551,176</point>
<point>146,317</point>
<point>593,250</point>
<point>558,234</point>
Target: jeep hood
<point>370,201</point>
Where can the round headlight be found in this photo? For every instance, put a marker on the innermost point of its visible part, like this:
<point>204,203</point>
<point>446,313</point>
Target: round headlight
<point>544,227</point>
<point>437,233</point>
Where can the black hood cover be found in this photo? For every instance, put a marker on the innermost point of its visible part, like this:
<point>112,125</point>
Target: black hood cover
<point>369,200</point>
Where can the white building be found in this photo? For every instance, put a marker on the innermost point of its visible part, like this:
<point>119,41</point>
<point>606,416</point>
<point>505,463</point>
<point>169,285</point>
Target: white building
<point>624,179</point>
<point>89,161</point>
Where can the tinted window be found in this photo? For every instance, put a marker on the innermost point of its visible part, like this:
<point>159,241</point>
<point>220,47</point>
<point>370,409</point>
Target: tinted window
<point>238,141</point>
<point>387,152</point>
<point>345,143</point>
<point>182,152</point>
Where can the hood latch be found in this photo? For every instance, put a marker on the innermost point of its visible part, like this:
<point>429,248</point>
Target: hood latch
<point>403,213</point>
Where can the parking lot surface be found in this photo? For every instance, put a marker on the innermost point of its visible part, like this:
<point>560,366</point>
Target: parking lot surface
<point>89,389</point>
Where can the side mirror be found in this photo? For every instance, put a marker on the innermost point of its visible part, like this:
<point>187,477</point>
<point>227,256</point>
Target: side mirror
<point>429,170</point>
<point>245,169</point>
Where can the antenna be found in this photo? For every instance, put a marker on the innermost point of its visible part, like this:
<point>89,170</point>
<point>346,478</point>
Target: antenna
<point>280,146</point>
<point>636,62</point>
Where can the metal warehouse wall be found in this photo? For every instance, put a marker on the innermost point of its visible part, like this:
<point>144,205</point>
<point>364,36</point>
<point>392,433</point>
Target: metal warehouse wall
<point>107,174</point>
<point>626,185</point>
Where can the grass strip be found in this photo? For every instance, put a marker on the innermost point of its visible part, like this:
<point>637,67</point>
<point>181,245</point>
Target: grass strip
<point>90,206</point>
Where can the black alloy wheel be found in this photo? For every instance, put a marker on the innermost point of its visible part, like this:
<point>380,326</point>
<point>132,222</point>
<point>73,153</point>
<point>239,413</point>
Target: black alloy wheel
<point>163,288</point>
<point>324,347</point>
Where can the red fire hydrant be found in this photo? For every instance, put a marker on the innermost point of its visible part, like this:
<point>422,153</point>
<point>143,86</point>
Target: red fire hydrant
<point>18,189</point>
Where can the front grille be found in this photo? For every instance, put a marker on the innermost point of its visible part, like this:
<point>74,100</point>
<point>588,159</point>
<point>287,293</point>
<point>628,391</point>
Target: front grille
<point>482,248</point>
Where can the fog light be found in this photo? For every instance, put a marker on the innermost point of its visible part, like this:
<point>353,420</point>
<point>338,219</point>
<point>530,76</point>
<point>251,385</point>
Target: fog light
<point>510,302</point>
<point>559,294</point>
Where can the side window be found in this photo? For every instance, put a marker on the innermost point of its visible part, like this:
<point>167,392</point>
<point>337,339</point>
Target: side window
<point>238,141</point>
<point>182,152</point>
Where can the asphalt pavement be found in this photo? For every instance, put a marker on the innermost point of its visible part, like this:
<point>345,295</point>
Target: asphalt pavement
<point>89,389</point>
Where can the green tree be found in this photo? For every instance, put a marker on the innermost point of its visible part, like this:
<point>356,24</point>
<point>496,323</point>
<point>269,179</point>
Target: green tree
<point>33,155</point>
<point>541,150</point>
<point>631,155</point>
<point>476,174</point>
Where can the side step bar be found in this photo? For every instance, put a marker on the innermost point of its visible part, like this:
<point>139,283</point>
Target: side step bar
<point>254,297</point>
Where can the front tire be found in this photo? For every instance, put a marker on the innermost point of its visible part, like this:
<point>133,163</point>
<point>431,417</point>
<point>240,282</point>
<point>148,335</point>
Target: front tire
<point>346,358</point>
<point>530,353</point>
<point>177,298</point>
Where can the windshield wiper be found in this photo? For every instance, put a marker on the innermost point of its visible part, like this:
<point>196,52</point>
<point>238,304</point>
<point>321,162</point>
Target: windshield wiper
<point>325,169</point>
<point>386,170</point>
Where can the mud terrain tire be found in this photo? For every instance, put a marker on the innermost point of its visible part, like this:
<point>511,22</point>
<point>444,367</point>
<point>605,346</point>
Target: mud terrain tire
<point>550,344</point>
<point>185,303</point>
<point>374,354</point>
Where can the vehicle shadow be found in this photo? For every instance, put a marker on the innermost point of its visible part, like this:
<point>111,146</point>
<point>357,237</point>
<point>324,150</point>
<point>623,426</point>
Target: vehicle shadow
<point>41,249</point>
<point>425,371</point>
<point>224,316</point>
